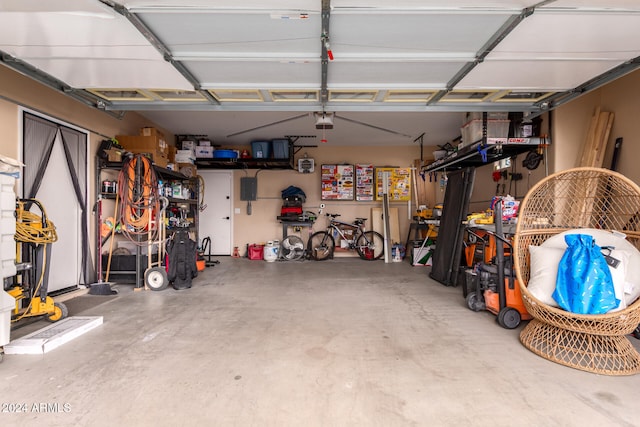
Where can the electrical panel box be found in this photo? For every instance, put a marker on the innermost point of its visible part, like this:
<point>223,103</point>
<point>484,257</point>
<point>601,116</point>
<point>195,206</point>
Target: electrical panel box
<point>248,188</point>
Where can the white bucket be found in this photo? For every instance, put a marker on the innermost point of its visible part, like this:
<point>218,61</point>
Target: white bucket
<point>270,251</point>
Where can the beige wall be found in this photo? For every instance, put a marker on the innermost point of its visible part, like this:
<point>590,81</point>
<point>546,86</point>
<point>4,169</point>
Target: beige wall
<point>263,225</point>
<point>622,98</point>
<point>9,126</point>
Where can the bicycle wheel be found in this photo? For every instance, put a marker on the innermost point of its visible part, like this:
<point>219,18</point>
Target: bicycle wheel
<point>370,245</point>
<point>321,246</point>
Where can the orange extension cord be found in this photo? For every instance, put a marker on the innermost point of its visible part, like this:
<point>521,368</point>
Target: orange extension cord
<point>139,200</point>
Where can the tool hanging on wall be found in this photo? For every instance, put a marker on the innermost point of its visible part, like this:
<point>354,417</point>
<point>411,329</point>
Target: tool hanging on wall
<point>498,178</point>
<point>443,180</point>
<point>532,159</point>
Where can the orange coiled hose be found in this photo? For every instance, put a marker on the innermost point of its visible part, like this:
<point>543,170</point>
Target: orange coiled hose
<point>138,192</point>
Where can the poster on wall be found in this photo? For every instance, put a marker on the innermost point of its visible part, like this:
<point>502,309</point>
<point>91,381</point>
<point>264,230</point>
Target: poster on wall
<point>399,184</point>
<point>364,183</point>
<point>337,182</point>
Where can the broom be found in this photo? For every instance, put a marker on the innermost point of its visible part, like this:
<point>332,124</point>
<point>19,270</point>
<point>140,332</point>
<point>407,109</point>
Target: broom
<point>101,288</point>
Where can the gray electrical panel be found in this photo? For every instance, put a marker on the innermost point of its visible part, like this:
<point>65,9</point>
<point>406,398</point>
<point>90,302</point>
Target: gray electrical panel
<point>248,188</point>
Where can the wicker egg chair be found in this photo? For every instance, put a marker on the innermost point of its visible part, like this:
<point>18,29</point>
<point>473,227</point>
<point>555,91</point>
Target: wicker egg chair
<point>579,198</point>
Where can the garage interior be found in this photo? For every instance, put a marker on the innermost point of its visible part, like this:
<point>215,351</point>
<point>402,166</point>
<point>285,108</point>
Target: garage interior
<point>343,82</point>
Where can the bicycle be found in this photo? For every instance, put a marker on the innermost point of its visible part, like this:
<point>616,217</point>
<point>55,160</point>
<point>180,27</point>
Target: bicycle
<point>368,244</point>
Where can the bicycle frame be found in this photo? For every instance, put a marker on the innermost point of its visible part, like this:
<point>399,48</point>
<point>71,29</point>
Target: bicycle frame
<point>358,230</point>
<point>321,244</point>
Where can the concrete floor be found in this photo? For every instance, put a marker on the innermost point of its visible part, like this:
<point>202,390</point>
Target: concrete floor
<point>336,343</point>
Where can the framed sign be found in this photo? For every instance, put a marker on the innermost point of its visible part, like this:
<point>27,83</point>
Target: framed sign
<point>399,184</point>
<point>337,182</point>
<point>364,183</point>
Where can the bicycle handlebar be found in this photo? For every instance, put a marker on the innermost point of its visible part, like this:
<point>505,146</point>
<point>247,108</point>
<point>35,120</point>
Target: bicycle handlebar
<point>357,221</point>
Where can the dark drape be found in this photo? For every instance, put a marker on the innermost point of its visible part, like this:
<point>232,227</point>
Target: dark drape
<point>39,139</point>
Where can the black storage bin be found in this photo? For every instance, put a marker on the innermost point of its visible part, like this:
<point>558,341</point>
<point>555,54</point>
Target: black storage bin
<point>261,149</point>
<point>280,148</point>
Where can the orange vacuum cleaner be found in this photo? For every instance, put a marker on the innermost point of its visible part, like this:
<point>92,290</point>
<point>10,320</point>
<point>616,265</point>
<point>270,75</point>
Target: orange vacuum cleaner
<point>493,284</point>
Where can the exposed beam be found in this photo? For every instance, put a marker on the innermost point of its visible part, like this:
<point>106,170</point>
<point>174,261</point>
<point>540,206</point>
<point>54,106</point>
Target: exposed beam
<point>164,51</point>
<point>324,40</point>
<point>555,101</point>
<point>40,76</point>
<point>489,46</point>
<point>317,106</point>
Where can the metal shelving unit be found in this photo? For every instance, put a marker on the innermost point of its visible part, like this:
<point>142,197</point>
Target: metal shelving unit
<point>245,163</point>
<point>191,205</point>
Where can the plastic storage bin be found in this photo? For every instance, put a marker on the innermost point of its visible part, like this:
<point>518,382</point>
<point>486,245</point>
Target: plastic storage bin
<point>477,115</point>
<point>472,131</point>
<point>280,148</point>
<point>261,149</point>
<point>225,154</point>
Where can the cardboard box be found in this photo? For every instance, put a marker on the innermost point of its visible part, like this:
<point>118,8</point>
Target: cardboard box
<point>422,256</point>
<point>150,131</point>
<point>156,158</point>
<point>188,145</point>
<point>185,156</point>
<point>172,154</point>
<point>114,154</point>
<point>150,144</point>
<point>187,169</point>
<point>204,152</point>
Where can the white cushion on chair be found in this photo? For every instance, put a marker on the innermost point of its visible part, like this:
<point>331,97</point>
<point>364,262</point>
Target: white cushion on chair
<point>626,278</point>
<point>544,272</point>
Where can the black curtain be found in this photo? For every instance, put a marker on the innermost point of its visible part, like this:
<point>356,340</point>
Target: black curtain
<point>39,139</point>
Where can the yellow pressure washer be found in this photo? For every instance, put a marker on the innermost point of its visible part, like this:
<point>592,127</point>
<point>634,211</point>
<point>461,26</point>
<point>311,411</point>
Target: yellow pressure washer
<point>34,236</point>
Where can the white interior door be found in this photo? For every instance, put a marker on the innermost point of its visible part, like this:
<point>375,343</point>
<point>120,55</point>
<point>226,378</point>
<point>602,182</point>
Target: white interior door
<point>216,221</point>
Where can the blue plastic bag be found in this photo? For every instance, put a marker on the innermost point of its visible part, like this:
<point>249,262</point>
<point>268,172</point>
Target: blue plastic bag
<point>584,284</point>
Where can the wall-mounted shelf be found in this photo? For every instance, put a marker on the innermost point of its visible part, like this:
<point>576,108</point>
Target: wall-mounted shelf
<point>481,153</point>
<point>244,164</point>
<point>163,172</point>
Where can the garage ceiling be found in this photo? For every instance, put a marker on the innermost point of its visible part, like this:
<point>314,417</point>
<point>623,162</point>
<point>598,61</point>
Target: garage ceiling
<point>390,72</point>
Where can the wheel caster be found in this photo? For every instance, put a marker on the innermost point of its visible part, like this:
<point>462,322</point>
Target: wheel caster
<point>509,318</point>
<point>474,303</point>
<point>60,312</point>
<point>156,278</point>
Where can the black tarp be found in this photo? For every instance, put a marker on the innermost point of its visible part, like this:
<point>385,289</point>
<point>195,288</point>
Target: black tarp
<point>449,246</point>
